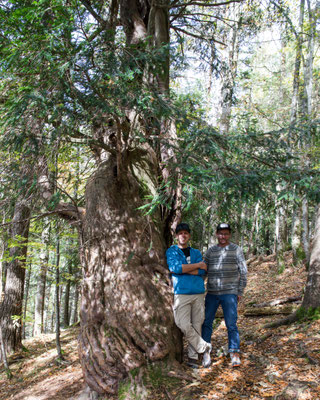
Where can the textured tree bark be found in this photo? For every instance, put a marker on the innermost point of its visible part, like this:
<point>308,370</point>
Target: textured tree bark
<point>126,316</point>
<point>11,305</point>
<point>311,297</point>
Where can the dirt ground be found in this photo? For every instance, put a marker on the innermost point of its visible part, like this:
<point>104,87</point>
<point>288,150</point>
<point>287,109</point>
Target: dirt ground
<point>281,363</point>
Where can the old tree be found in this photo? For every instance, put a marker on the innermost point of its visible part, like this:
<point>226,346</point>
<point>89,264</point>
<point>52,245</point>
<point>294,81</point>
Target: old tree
<point>96,73</point>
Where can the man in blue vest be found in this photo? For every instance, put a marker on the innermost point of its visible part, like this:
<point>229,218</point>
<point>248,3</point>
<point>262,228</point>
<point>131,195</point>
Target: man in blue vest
<point>188,270</point>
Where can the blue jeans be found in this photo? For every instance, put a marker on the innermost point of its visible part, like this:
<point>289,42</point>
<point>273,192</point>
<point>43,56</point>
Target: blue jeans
<point>229,303</point>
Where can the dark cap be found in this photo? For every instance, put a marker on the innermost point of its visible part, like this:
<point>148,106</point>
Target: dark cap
<point>223,226</point>
<point>182,227</point>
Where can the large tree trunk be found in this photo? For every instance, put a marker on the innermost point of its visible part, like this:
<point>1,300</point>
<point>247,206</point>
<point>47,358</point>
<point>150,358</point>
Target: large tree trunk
<point>11,306</point>
<point>126,316</point>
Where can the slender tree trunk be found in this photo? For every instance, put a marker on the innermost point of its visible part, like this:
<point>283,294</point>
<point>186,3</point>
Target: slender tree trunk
<point>46,308</point>
<point>280,238</point>
<point>41,287</point>
<point>229,71</point>
<point>26,297</point>
<point>57,301</point>
<point>75,308</point>
<point>306,113</point>
<point>253,231</point>
<point>297,68</point>
<point>308,70</point>
<point>296,232</point>
<point>242,227</point>
<point>11,305</point>
<point>66,303</point>
<point>211,228</point>
<point>305,228</point>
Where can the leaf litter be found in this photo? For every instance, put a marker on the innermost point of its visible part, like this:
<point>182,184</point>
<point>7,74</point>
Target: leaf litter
<point>277,364</point>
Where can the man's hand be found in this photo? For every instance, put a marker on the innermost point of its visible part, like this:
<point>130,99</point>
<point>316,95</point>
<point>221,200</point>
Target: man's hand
<point>193,268</point>
<point>239,299</point>
<point>202,265</point>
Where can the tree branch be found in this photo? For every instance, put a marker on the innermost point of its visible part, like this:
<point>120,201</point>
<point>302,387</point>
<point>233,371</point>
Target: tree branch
<point>204,4</point>
<point>196,36</point>
<point>95,15</point>
<point>46,214</point>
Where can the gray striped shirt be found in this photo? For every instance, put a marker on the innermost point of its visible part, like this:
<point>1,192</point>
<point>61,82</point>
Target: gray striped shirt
<point>227,270</point>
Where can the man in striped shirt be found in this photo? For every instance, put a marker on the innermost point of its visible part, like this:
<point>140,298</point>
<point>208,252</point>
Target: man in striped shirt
<point>227,278</point>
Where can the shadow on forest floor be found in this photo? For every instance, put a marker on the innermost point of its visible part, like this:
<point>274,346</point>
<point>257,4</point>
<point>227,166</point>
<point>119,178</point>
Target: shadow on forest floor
<point>36,373</point>
<point>281,363</point>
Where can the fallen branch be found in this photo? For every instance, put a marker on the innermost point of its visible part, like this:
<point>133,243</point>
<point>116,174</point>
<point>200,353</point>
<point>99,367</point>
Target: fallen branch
<point>251,260</point>
<point>278,301</point>
<point>256,260</point>
<point>255,311</point>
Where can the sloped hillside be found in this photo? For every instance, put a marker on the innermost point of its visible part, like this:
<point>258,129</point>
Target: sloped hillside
<point>281,363</point>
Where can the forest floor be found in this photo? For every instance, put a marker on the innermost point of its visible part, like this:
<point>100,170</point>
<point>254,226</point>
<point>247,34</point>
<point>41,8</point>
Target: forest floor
<point>280,363</point>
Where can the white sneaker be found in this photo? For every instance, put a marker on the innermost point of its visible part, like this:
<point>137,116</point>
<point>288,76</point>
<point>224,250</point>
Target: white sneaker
<point>206,360</point>
<point>235,359</point>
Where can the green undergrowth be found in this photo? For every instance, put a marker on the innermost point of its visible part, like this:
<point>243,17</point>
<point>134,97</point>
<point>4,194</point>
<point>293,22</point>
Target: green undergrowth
<point>148,382</point>
<point>311,314</point>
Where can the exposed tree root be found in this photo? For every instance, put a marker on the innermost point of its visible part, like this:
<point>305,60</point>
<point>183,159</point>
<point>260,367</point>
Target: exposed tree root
<point>180,375</point>
<point>285,321</point>
<point>307,355</point>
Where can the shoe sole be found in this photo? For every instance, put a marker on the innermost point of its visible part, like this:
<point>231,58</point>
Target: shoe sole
<point>193,366</point>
